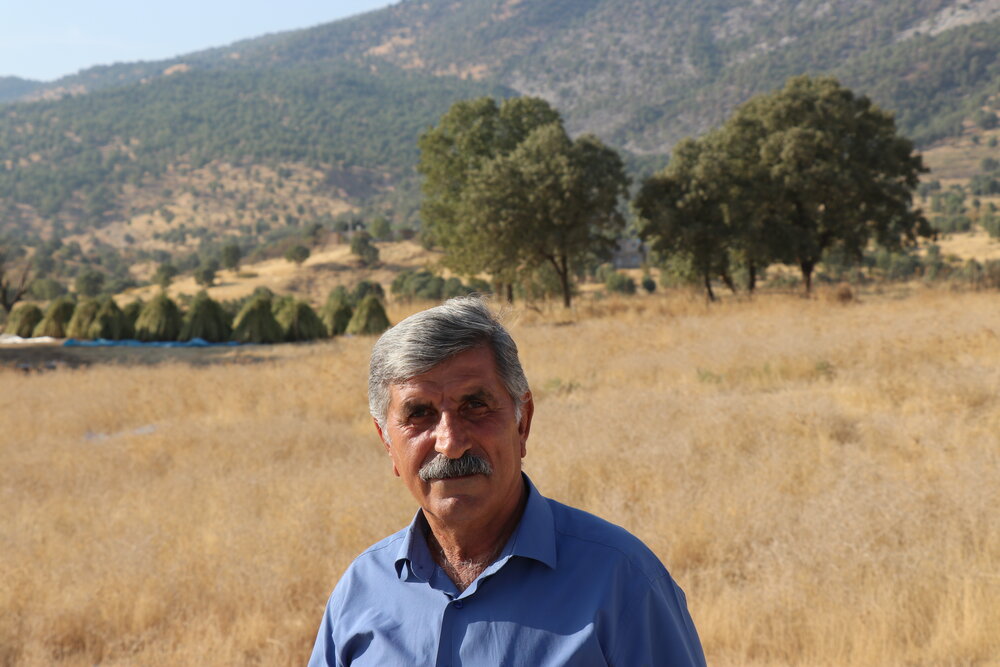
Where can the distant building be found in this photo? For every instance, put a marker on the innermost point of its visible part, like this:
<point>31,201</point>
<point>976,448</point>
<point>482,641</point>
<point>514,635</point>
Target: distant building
<point>628,254</point>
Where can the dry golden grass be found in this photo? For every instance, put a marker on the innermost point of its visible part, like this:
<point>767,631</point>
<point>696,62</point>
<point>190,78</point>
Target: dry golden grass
<point>823,480</point>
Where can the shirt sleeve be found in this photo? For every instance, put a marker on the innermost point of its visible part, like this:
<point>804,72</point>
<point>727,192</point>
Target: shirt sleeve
<point>656,629</point>
<point>324,653</point>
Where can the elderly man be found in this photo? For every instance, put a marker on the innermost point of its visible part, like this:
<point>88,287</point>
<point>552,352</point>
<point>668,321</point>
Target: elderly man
<point>489,572</point>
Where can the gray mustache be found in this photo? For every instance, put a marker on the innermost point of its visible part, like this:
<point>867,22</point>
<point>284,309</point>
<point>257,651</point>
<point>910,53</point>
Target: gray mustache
<point>442,467</point>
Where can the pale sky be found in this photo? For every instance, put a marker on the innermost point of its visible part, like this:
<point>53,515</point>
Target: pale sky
<point>47,39</point>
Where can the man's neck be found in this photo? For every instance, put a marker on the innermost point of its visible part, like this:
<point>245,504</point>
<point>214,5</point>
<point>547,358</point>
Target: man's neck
<point>464,553</point>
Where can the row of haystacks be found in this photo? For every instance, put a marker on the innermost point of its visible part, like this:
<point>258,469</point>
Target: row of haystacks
<point>261,318</point>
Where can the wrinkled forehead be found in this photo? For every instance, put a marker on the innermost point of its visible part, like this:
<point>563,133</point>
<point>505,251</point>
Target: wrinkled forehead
<point>471,371</point>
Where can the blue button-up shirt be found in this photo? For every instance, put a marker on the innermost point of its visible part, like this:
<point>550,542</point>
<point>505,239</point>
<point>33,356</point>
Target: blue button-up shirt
<point>567,589</point>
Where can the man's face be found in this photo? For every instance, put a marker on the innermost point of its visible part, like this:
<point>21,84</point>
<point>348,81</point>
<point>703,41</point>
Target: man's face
<point>459,406</point>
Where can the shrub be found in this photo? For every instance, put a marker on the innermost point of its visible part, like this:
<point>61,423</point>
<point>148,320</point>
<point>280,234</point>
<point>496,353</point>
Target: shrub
<point>205,276</point>
<point>971,273</point>
<point>336,312</point>
<point>300,322</point>
<point>46,289</point>
<point>369,318</point>
<point>83,316</point>
<point>897,265</point>
<point>991,223</point>
<point>206,319</point>
<point>255,323</point>
<point>159,320</point>
<point>648,284</point>
<point>56,319</point>
<point>297,254</point>
<point>948,224</point>
<point>620,283</point>
<point>361,245</point>
<point>23,320</point>
<point>89,283</point>
<point>991,274</point>
<point>110,322</point>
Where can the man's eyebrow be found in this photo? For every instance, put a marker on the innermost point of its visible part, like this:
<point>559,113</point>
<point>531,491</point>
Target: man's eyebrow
<point>410,403</point>
<point>481,394</point>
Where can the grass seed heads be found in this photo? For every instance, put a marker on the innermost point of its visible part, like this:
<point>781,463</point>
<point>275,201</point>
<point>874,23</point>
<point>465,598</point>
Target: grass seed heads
<point>23,320</point>
<point>255,323</point>
<point>110,322</point>
<point>83,317</point>
<point>206,319</point>
<point>369,318</point>
<point>300,322</point>
<point>57,317</point>
<point>159,320</point>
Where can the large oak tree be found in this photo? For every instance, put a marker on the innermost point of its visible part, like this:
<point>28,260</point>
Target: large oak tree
<point>507,190</point>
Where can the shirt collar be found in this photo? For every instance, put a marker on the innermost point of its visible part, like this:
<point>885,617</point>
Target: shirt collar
<point>534,537</point>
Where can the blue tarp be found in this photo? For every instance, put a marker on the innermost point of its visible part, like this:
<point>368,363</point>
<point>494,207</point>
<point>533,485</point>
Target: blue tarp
<point>103,342</point>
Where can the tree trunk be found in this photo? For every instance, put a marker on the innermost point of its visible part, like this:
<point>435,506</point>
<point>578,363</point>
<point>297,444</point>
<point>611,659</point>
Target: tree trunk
<point>561,266</point>
<point>509,288</point>
<point>807,267</point>
<point>751,277</point>
<point>708,287</point>
<point>728,281</point>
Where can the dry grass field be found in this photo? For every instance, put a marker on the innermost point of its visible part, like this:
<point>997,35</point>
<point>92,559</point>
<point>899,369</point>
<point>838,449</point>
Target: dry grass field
<point>822,479</point>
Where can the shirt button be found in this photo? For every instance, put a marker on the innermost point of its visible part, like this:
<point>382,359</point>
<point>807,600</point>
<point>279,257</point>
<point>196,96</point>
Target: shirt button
<point>459,604</point>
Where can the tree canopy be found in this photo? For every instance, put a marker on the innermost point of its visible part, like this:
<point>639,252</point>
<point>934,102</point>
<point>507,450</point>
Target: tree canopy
<point>792,174</point>
<point>507,190</point>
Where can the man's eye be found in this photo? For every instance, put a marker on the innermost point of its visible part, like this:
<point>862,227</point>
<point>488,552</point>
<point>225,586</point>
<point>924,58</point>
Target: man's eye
<point>418,413</point>
<point>476,405</point>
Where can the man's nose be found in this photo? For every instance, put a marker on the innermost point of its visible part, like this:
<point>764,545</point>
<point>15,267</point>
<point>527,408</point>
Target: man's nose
<point>449,435</point>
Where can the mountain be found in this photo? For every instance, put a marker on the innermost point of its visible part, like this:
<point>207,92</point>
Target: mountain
<point>14,88</point>
<point>644,73</point>
<point>252,140</point>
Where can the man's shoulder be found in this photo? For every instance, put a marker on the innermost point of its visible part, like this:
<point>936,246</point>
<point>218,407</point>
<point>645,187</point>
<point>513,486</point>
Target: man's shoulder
<point>612,543</point>
<point>375,562</point>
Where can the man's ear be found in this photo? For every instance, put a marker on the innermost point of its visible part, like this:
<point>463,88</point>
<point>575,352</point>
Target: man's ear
<point>524,426</point>
<point>386,444</point>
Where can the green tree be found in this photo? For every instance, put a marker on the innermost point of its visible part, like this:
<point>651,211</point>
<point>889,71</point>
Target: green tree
<point>89,283</point>
<point>361,245</point>
<point>680,214</point>
<point>231,256</point>
<point>471,133</point>
<point>527,193</point>
<point>205,275</point>
<point>791,175</point>
<point>832,165</point>
<point>297,254</point>
<point>381,229</point>
<point>165,273</point>
<point>13,283</point>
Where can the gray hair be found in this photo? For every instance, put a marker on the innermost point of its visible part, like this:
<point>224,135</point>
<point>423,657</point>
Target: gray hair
<point>425,339</point>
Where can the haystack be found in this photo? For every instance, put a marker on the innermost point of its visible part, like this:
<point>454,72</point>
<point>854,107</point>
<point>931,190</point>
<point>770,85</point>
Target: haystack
<point>369,318</point>
<point>83,317</point>
<point>255,323</point>
<point>159,320</point>
<point>132,310</point>
<point>110,322</point>
<point>57,317</point>
<point>23,320</point>
<point>207,320</point>
<point>336,312</point>
<point>300,322</point>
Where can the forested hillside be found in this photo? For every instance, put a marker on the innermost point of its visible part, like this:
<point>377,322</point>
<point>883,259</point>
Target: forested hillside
<point>346,101</point>
<point>645,73</point>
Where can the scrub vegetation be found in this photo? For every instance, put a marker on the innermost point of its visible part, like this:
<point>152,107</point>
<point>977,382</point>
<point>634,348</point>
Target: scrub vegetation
<point>820,477</point>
